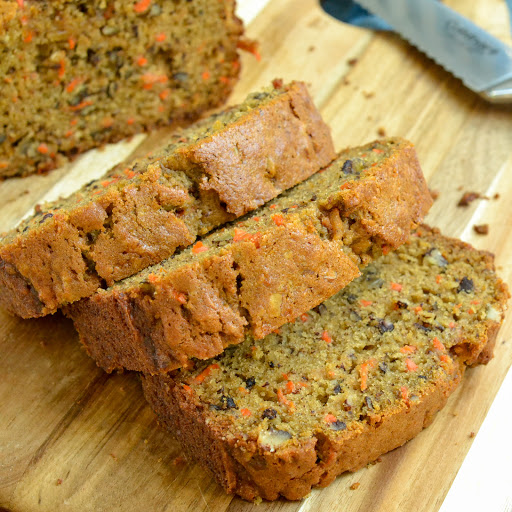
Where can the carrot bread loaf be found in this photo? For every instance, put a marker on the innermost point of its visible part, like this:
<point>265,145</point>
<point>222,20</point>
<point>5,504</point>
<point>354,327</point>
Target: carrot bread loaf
<point>135,216</point>
<point>262,272</point>
<point>77,74</point>
<point>353,378</point>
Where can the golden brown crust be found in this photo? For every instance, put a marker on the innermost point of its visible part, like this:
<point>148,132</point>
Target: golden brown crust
<point>258,287</point>
<point>129,227</point>
<point>244,468</point>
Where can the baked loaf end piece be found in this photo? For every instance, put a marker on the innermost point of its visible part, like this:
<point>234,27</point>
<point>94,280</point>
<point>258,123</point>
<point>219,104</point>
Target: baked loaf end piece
<point>78,74</point>
<point>354,378</point>
<point>135,216</point>
<point>257,274</point>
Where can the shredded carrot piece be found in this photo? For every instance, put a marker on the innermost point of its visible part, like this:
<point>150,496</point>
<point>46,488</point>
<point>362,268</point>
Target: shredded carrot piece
<point>106,183</point>
<point>243,390</point>
<point>72,43</point>
<point>160,37</point>
<point>330,418</point>
<point>62,68</point>
<point>187,388</point>
<point>385,249</point>
<point>345,186</point>
<point>411,365</point>
<point>331,374</point>
<point>451,325</point>
<point>20,3</point>
<point>130,120</point>
<point>475,302</point>
<point>290,388</point>
<point>180,297</point>
<point>199,247</point>
<point>129,173</point>
<point>405,393</point>
<point>4,165</point>
<point>256,219</point>
<point>471,311</point>
<point>278,220</point>
<point>444,358</point>
<point>81,105</point>
<point>304,317</point>
<point>69,133</point>
<point>377,150</point>
<point>439,278</point>
<point>418,309</point>
<point>438,344</point>
<point>326,337</point>
<point>224,79</point>
<point>363,374</point>
<point>164,94</point>
<point>206,75</point>
<point>42,148</point>
<point>142,61</point>
<point>396,286</point>
<point>142,6</point>
<point>276,331</point>
<point>71,86</point>
<point>73,122</point>
<point>366,303</point>
<point>285,401</point>
<point>28,37</point>
<point>245,412</point>
<point>408,349</point>
<point>206,372</point>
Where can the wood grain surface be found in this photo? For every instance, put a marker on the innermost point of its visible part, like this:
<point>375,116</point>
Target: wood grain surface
<point>76,439</point>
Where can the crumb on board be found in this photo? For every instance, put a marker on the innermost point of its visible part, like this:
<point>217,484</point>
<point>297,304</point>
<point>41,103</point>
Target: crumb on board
<point>179,461</point>
<point>496,196</point>
<point>113,456</point>
<point>434,193</point>
<point>352,62</point>
<point>355,486</point>
<point>381,131</point>
<point>59,481</point>
<point>311,49</point>
<point>481,229</point>
<point>472,434</point>
<point>467,198</point>
<point>368,94</point>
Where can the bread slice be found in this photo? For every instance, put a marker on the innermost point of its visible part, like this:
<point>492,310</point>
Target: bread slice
<point>135,216</point>
<point>78,74</point>
<point>350,380</point>
<point>262,272</point>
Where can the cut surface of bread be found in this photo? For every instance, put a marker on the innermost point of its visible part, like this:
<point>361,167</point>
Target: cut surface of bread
<point>261,272</point>
<point>353,378</point>
<point>137,215</point>
<point>78,74</point>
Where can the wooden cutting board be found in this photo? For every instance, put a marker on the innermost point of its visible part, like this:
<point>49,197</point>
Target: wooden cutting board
<point>73,438</point>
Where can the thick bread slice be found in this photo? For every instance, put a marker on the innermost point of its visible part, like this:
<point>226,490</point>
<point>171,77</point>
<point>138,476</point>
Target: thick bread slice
<point>135,216</point>
<point>352,379</point>
<point>264,271</point>
<point>76,75</point>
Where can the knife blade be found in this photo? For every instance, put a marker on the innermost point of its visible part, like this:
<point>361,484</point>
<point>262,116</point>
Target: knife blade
<point>480,60</point>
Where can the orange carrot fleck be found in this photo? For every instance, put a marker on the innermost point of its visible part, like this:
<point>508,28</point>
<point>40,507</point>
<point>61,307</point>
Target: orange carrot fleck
<point>164,94</point>
<point>69,133</point>
<point>245,412</point>
<point>345,186</point>
<point>243,390</point>
<point>385,249</point>
<point>20,3</point>
<point>396,286</point>
<point>256,219</point>
<point>438,344</point>
<point>285,401</point>
<point>331,374</point>
<point>290,388</point>
<point>224,79</point>
<point>444,358</point>
<point>28,37</point>
<point>4,165</point>
<point>199,247</point>
<point>142,61</point>
<point>365,303</point>
<point>180,297</point>
<point>405,393</point>
<point>278,220</point>
<point>161,37</point>
<point>249,46</point>
<point>72,43</point>
<point>326,337</point>
<point>206,372</point>
<point>330,418</point>
<point>62,68</point>
<point>73,122</point>
<point>130,121</point>
<point>411,365</point>
<point>363,374</point>
<point>81,105</point>
<point>142,6</point>
<point>475,302</point>
<point>439,278</point>
<point>42,148</point>
<point>304,317</point>
<point>377,150</point>
<point>408,349</point>
<point>273,206</point>
<point>206,75</point>
<point>418,309</point>
<point>187,388</point>
<point>71,86</point>
<point>129,173</point>
<point>451,325</point>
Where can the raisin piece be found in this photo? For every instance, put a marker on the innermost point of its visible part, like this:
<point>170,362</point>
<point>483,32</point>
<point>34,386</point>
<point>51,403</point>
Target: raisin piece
<point>348,167</point>
<point>250,382</point>
<point>269,414</point>
<point>338,425</point>
<point>466,285</point>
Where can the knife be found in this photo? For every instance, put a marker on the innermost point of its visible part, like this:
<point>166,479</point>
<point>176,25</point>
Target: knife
<point>480,60</point>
